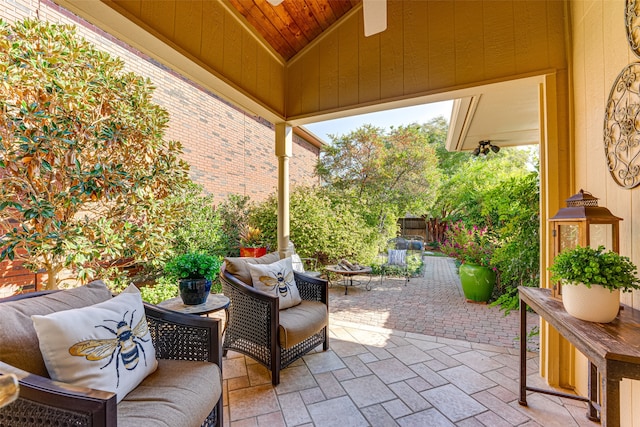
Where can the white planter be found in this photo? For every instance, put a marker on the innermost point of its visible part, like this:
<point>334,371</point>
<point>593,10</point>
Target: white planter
<point>594,304</point>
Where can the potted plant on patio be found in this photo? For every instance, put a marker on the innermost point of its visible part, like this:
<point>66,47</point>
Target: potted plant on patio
<point>592,280</point>
<point>251,242</point>
<point>473,249</point>
<point>194,272</point>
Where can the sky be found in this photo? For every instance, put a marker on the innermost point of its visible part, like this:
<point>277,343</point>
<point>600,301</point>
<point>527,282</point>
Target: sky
<point>383,119</point>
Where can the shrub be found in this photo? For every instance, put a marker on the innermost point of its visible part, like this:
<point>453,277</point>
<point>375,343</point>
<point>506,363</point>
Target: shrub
<point>199,227</point>
<point>233,214</point>
<point>513,208</point>
<point>468,245</point>
<point>85,170</point>
<point>321,226</point>
<point>164,289</point>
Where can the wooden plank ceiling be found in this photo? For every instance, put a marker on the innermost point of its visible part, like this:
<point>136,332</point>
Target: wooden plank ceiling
<point>293,24</point>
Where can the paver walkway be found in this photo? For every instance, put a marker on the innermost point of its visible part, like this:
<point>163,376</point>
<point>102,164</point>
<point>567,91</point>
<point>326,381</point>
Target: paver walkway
<point>432,305</point>
<point>378,375</point>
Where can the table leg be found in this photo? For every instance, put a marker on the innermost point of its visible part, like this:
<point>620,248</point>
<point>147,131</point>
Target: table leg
<point>523,353</point>
<point>368,285</point>
<point>592,380</point>
<point>610,401</point>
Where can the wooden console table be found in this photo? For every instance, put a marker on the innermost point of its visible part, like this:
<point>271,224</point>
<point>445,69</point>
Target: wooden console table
<point>613,350</point>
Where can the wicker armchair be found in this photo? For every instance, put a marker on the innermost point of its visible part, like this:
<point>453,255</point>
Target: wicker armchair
<point>254,327</point>
<point>45,402</point>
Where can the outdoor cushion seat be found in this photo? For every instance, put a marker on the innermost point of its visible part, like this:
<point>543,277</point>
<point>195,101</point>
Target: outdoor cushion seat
<point>185,389</point>
<point>259,329</point>
<point>176,394</point>
<point>301,321</point>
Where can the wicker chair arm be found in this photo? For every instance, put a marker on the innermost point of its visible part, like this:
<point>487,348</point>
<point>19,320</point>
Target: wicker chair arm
<point>251,310</point>
<point>184,336</point>
<point>312,288</point>
<point>43,401</point>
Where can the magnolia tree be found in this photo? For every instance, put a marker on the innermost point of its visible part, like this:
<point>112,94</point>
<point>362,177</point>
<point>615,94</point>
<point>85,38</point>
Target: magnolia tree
<point>84,167</point>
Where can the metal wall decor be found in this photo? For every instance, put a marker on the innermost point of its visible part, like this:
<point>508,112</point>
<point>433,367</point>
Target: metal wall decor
<point>622,112</point>
<point>632,23</point>
<point>622,128</point>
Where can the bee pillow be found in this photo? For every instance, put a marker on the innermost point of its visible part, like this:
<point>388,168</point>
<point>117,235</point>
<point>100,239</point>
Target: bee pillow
<point>277,279</point>
<point>106,346</point>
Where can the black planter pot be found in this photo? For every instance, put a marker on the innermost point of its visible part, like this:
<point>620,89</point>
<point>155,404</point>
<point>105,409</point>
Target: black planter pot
<point>194,291</point>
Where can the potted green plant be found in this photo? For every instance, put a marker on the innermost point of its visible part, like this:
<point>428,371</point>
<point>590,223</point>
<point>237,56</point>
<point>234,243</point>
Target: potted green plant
<point>473,249</point>
<point>592,280</point>
<point>194,272</point>
<point>251,242</point>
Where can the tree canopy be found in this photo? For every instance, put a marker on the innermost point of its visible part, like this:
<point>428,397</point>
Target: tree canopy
<point>388,173</point>
<point>84,168</point>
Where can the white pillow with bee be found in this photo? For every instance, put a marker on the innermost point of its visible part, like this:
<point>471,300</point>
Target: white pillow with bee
<point>106,346</point>
<point>277,279</point>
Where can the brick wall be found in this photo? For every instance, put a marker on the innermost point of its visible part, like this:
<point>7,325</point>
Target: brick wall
<point>228,151</point>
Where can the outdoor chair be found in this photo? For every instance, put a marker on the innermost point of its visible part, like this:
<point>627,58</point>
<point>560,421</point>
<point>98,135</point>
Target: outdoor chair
<point>185,389</point>
<point>306,266</point>
<point>395,263</point>
<point>261,330</point>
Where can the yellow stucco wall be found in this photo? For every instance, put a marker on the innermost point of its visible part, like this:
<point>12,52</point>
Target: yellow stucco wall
<point>599,53</point>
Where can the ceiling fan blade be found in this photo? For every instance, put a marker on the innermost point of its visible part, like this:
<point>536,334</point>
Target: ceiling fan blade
<point>375,16</point>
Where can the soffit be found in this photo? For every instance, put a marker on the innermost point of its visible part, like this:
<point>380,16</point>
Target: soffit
<point>293,24</point>
<point>505,113</point>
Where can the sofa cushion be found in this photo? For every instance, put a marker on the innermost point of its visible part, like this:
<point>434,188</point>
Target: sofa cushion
<point>238,267</point>
<point>300,322</point>
<point>277,279</point>
<point>105,346</point>
<point>18,339</point>
<point>178,393</point>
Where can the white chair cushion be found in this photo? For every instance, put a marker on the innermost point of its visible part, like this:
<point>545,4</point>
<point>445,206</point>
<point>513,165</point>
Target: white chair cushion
<point>397,257</point>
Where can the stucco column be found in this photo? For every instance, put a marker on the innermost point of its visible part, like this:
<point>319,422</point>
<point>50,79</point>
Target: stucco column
<point>284,143</point>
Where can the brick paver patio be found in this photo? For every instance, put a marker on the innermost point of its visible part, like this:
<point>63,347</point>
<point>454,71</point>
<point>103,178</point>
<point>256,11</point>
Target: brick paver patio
<point>432,305</point>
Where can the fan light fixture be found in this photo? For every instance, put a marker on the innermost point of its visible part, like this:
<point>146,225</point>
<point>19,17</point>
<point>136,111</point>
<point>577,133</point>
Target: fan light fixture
<point>275,2</point>
<point>484,147</point>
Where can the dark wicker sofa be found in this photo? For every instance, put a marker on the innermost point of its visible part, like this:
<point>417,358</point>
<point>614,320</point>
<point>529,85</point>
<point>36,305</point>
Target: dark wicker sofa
<point>188,349</point>
<point>260,330</point>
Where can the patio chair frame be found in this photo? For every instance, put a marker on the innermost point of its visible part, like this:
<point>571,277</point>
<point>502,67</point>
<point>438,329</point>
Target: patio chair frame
<point>254,318</point>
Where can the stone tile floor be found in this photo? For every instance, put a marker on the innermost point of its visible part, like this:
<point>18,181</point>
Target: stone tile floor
<point>401,356</point>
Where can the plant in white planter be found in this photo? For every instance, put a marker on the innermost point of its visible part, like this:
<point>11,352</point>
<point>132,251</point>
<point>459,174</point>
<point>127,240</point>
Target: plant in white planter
<point>592,280</point>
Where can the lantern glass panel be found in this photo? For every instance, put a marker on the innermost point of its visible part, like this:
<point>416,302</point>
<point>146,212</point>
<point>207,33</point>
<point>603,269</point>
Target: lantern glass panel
<point>601,234</point>
<point>569,236</point>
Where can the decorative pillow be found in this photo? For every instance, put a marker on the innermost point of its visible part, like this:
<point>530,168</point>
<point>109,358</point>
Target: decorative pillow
<point>277,279</point>
<point>297,264</point>
<point>238,266</point>
<point>106,346</point>
<point>397,257</point>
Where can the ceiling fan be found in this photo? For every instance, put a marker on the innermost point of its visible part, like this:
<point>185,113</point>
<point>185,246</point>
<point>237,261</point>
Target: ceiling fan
<point>373,11</point>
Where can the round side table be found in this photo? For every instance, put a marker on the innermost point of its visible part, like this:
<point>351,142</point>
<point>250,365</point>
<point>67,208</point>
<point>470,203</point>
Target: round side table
<point>214,302</point>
